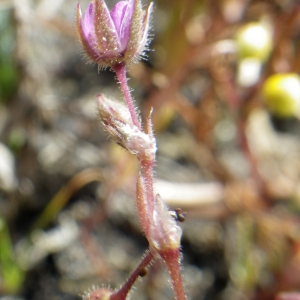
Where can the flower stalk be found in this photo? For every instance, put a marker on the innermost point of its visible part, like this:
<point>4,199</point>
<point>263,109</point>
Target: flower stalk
<point>115,39</point>
<point>120,70</point>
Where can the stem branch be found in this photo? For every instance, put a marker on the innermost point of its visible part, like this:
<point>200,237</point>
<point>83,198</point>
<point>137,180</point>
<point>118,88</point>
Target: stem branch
<point>122,293</point>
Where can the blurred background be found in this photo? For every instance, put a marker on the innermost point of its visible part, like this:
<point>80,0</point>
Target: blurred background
<point>222,79</point>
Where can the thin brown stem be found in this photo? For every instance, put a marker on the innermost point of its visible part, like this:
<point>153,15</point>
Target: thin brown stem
<point>122,293</point>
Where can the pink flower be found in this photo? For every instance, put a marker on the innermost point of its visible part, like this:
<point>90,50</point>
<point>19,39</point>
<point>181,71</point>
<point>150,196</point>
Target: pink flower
<point>110,38</point>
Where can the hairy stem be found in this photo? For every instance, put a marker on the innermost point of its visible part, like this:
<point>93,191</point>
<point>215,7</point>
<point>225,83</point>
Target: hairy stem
<point>172,259</point>
<point>120,70</point>
<point>122,293</point>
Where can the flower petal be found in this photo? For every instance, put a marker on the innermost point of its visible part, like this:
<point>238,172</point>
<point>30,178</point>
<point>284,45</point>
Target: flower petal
<point>127,23</point>
<point>88,22</point>
<point>84,34</point>
<point>117,15</point>
<point>108,43</point>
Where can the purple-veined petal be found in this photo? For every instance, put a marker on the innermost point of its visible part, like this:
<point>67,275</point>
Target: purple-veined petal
<point>83,35</point>
<point>89,18</point>
<point>126,24</point>
<point>117,15</point>
<point>88,24</point>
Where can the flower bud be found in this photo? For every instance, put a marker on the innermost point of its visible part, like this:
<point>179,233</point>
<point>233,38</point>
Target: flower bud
<point>116,119</point>
<point>164,233</point>
<point>109,109</point>
<point>97,294</point>
<point>110,38</point>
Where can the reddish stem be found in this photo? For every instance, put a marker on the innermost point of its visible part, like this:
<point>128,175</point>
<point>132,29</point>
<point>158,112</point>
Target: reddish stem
<point>172,260</point>
<point>120,70</point>
<point>170,256</point>
<point>122,293</point>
